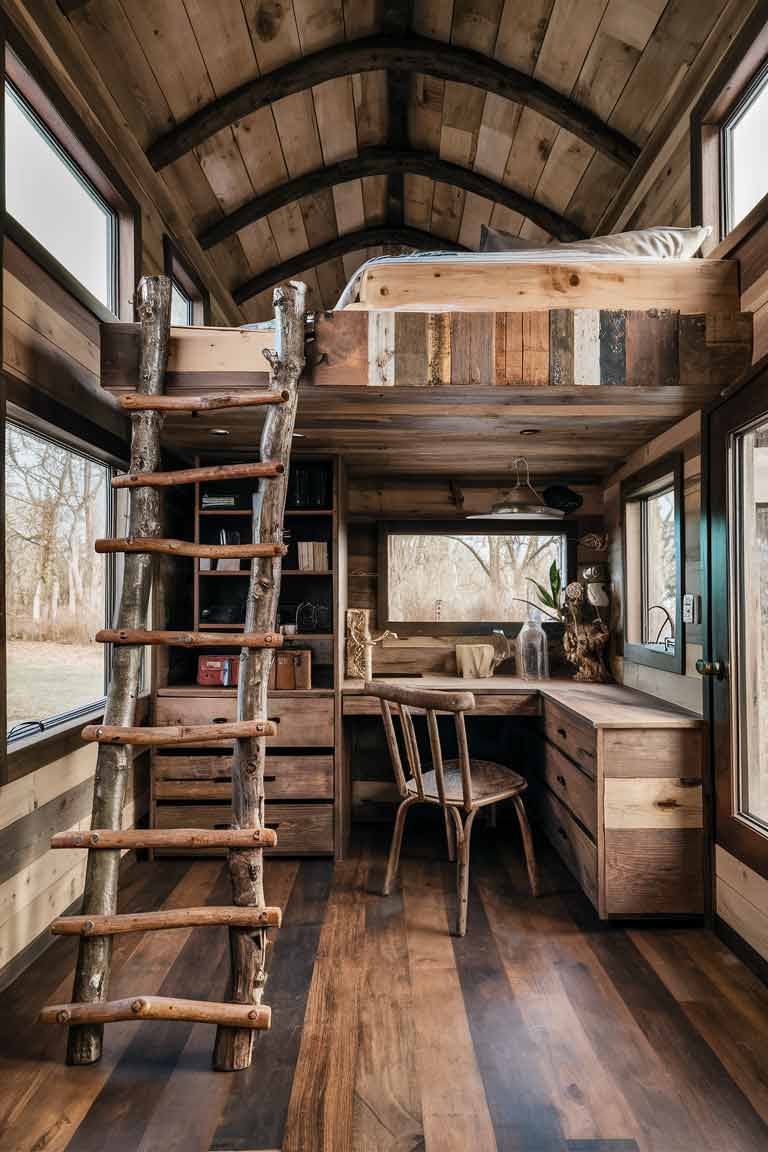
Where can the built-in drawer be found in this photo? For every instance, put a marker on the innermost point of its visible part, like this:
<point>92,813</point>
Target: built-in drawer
<point>571,842</point>
<point>303,721</point>
<point>573,736</point>
<point>210,777</point>
<point>572,786</point>
<point>302,829</point>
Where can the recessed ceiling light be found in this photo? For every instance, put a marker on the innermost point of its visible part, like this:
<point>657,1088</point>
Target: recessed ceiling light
<point>530,431</point>
<point>299,436</point>
<point>219,431</point>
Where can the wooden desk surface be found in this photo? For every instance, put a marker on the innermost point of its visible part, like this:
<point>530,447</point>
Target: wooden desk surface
<point>602,705</point>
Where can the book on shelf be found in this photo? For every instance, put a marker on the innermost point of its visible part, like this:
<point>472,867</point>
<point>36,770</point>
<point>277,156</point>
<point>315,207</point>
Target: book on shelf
<point>218,500</point>
<point>313,555</point>
<point>228,564</point>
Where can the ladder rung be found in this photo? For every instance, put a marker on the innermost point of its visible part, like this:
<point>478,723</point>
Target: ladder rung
<point>159,1008</point>
<point>179,733</point>
<point>187,548</point>
<point>108,838</point>
<point>266,468</point>
<point>189,639</point>
<point>138,402</point>
<point>230,915</point>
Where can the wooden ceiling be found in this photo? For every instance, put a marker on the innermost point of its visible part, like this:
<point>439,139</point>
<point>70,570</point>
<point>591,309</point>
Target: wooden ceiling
<point>314,120</point>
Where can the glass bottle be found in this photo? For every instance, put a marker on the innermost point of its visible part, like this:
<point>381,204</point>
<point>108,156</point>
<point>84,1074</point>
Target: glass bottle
<point>532,651</point>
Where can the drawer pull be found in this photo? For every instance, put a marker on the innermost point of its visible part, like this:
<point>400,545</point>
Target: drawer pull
<point>562,732</point>
<point>562,781</point>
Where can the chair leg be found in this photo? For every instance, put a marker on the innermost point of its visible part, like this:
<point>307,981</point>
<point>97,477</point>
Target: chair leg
<point>394,848</point>
<point>450,833</point>
<point>530,858</point>
<point>462,887</point>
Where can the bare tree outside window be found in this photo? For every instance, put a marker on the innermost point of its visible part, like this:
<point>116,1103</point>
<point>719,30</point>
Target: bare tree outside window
<point>660,568</point>
<point>55,507</point>
<point>467,578</point>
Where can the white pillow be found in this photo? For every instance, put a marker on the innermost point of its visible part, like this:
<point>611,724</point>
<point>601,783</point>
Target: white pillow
<point>645,244</point>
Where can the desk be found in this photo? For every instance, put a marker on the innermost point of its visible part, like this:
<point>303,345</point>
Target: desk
<point>621,785</point>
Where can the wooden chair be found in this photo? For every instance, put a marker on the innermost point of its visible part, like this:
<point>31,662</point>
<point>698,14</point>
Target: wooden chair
<point>461,787</point>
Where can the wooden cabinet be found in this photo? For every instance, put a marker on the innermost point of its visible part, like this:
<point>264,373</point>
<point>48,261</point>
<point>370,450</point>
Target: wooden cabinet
<point>195,788</point>
<point>622,802</point>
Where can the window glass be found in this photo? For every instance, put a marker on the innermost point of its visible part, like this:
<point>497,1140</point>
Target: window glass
<point>750,550</point>
<point>660,599</point>
<point>746,157</point>
<point>49,196</point>
<point>181,305</point>
<point>56,505</point>
<point>467,577</point>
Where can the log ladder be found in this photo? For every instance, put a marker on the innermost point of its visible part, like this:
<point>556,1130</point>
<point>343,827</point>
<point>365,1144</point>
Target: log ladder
<point>248,918</point>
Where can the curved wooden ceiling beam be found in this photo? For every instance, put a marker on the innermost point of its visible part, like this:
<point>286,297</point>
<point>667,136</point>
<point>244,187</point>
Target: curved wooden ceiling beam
<point>405,54</point>
<point>340,246</point>
<point>388,162</point>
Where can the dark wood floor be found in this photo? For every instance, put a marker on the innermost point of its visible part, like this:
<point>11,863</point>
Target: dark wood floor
<point>541,1031</point>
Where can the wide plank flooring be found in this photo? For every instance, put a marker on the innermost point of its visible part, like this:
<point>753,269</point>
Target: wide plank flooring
<point>541,1031</point>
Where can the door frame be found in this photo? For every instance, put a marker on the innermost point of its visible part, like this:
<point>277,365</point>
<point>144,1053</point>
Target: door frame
<point>747,402</point>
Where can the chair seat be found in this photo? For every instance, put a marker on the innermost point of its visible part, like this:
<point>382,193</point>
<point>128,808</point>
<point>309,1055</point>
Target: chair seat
<point>490,782</point>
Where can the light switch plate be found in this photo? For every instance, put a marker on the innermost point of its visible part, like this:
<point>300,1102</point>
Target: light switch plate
<point>691,609</point>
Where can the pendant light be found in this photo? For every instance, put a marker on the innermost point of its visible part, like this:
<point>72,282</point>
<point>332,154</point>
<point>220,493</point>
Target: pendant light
<point>521,502</point>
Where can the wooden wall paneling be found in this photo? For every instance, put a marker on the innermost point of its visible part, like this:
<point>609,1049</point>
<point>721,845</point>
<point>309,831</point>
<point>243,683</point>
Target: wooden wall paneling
<point>536,348</point>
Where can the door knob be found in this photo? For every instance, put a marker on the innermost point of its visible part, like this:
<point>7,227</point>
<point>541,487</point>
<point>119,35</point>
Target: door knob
<point>714,668</point>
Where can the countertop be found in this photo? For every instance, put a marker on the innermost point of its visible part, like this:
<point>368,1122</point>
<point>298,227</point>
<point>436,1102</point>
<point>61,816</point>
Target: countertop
<point>601,705</point>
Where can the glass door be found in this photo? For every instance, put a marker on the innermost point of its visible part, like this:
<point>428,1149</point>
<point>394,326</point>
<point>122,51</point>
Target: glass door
<point>738,587</point>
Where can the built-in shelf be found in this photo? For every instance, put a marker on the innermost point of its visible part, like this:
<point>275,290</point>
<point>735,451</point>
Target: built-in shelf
<point>309,636</point>
<point>210,572</point>
<point>307,572</point>
<point>225,512</point>
<point>222,627</point>
<point>309,511</point>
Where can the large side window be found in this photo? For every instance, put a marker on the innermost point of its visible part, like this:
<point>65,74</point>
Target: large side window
<point>58,592</point>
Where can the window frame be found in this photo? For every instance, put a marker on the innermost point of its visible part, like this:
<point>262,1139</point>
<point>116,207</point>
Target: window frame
<point>53,724</point>
<point>465,527</point>
<point>70,136</point>
<point>638,489</point>
<point>730,88</point>
<point>181,273</point>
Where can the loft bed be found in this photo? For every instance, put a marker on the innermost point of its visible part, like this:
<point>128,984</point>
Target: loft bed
<point>606,352</point>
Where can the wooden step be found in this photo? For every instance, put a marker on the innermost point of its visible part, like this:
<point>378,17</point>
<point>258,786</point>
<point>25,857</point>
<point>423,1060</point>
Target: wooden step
<point>138,402</point>
<point>229,915</point>
<point>171,734</point>
<point>182,838</point>
<point>159,1008</point>
<point>266,468</point>
<point>189,639</point>
<point>188,548</point>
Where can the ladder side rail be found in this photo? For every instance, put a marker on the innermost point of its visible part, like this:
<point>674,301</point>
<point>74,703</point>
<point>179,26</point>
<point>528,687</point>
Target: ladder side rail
<point>248,949</point>
<point>84,1042</point>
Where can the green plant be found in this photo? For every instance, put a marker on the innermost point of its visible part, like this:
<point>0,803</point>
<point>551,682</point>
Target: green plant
<point>550,598</point>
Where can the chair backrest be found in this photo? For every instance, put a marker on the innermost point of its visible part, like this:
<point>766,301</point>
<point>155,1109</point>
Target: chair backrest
<point>405,703</point>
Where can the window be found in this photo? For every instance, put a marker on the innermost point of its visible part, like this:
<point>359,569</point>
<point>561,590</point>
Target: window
<point>653,519</point>
<point>181,305</point>
<point>51,198</point>
<point>64,205</point>
<point>190,303</point>
<point>57,503</point>
<point>729,166</point>
<point>448,578</point>
<point>744,156</point>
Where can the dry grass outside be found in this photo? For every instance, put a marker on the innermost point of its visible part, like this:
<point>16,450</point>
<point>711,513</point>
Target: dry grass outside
<point>46,678</point>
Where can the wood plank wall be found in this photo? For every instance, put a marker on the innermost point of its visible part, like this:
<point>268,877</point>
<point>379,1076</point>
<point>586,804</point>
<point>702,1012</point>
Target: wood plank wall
<point>50,363</point>
<point>684,690</point>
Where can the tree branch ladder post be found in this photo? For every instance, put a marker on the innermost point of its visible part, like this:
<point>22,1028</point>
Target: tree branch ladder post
<point>113,762</point>
<point>248,947</point>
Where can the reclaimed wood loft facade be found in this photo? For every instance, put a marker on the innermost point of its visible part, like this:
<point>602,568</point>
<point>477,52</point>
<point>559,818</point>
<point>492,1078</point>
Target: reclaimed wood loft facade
<point>385,474</point>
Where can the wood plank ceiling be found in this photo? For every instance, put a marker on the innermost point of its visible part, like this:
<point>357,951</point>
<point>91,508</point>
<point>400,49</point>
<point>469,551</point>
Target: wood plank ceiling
<point>620,60</point>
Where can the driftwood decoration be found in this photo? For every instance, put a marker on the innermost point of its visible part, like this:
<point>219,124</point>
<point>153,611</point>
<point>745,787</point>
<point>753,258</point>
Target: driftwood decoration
<point>100,894</point>
<point>234,1046</point>
<point>360,643</point>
